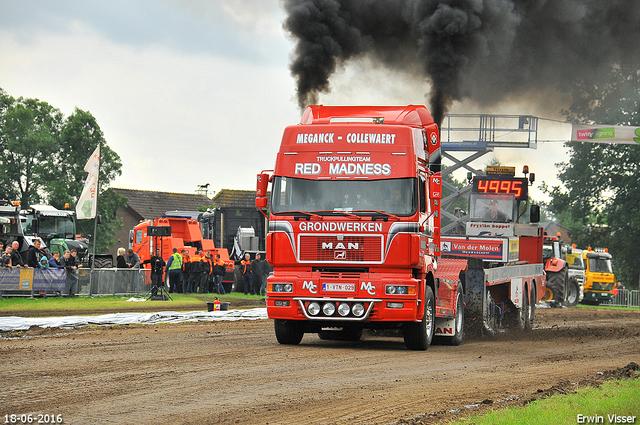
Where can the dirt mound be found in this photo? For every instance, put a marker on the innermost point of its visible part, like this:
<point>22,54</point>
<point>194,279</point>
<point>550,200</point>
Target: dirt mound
<point>35,330</point>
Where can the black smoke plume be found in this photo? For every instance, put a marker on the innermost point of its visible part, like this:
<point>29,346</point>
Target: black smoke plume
<point>483,50</point>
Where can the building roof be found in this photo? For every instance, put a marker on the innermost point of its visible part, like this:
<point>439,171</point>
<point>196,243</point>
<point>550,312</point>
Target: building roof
<point>149,204</point>
<point>235,199</point>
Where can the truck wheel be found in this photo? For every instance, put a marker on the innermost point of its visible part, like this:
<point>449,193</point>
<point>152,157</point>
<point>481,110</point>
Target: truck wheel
<point>103,262</point>
<point>418,336</point>
<point>489,322</point>
<point>456,339</point>
<point>573,293</point>
<point>532,309</point>
<point>520,318</point>
<point>289,332</point>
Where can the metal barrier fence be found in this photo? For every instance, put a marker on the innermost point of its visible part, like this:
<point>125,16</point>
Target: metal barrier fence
<point>13,283</point>
<point>114,282</point>
<point>625,298</point>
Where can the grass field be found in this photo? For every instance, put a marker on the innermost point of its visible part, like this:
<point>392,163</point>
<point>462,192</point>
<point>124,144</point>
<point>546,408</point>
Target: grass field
<point>52,306</point>
<point>612,402</point>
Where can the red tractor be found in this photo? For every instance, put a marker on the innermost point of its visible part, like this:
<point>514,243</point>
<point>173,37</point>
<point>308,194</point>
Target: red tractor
<point>561,290</point>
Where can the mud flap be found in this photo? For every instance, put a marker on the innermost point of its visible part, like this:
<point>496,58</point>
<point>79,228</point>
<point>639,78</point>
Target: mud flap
<point>445,327</point>
<point>517,290</point>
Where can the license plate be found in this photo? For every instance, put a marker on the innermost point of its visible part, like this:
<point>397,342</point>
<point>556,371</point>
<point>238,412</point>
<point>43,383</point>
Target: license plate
<point>339,287</point>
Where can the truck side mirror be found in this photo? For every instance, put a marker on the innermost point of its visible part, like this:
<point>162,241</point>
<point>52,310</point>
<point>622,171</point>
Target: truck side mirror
<point>262,182</point>
<point>534,214</point>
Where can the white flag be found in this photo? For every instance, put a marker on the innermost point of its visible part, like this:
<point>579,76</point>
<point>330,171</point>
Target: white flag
<point>86,207</point>
<point>93,164</point>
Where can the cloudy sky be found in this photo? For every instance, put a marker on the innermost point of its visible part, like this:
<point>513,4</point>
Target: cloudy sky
<point>195,92</point>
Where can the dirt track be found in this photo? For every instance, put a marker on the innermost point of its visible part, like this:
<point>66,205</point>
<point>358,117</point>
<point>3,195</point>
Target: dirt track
<point>235,372</point>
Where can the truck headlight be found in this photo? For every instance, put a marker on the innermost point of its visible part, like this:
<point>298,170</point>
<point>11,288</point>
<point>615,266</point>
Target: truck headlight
<point>357,309</point>
<point>314,308</point>
<point>328,309</point>
<point>344,309</point>
<point>280,287</point>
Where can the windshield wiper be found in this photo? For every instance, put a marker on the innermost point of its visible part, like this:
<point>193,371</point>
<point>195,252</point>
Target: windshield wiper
<point>376,213</point>
<point>298,214</point>
<point>336,212</point>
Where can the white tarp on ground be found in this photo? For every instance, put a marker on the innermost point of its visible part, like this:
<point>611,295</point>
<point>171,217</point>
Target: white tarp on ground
<point>14,323</point>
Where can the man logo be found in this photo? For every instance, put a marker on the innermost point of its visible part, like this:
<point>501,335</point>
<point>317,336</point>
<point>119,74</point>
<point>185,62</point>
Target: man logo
<point>367,286</point>
<point>340,255</point>
<point>312,287</point>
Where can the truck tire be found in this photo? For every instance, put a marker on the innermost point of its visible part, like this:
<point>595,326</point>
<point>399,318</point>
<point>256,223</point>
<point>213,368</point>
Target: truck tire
<point>456,339</point>
<point>489,319</point>
<point>418,336</point>
<point>103,262</point>
<point>289,332</point>
<point>573,293</point>
<point>532,309</point>
<point>520,318</point>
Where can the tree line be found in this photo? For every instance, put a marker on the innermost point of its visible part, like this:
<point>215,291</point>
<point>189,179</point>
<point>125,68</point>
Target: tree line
<point>42,159</point>
<point>600,199</point>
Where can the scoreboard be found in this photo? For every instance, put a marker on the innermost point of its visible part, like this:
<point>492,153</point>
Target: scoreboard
<point>502,185</point>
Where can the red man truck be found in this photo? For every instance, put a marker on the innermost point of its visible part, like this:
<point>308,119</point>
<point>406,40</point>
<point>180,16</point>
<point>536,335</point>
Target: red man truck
<point>354,229</point>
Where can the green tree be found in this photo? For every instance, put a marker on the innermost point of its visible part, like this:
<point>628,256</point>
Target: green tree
<point>29,130</point>
<point>42,159</point>
<point>602,194</point>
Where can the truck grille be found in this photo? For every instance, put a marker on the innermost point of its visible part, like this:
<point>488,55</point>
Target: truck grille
<point>328,248</point>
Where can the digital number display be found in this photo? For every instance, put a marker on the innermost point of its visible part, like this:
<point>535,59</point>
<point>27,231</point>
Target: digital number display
<point>516,186</point>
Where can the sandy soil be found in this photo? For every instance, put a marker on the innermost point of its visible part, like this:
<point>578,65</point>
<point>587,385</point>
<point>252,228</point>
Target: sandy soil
<point>236,372</point>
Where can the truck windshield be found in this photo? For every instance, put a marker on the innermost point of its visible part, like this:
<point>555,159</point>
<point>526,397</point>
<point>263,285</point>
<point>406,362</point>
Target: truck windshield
<point>56,227</point>
<point>600,265</point>
<point>393,196</point>
<point>491,208</point>
<point>575,261</point>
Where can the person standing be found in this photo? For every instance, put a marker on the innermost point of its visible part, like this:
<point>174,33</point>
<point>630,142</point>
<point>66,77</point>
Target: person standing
<point>246,273</point>
<point>186,268</point>
<point>195,272</point>
<point>34,254</point>
<point>207,270</point>
<point>6,257</point>
<point>132,259</point>
<point>257,270</point>
<point>54,261</point>
<point>121,263</point>
<point>69,265</point>
<point>174,270</point>
<point>219,270</point>
<point>16,258</point>
<point>133,262</point>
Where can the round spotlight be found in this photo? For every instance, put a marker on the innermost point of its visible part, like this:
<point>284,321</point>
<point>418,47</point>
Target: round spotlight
<point>391,289</point>
<point>288,287</point>
<point>328,309</point>
<point>314,308</point>
<point>357,309</point>
<point>344,309</point>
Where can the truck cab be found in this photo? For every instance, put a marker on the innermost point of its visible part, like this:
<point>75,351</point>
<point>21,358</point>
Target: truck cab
<point>599,277</point>
<point>354,224</point>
